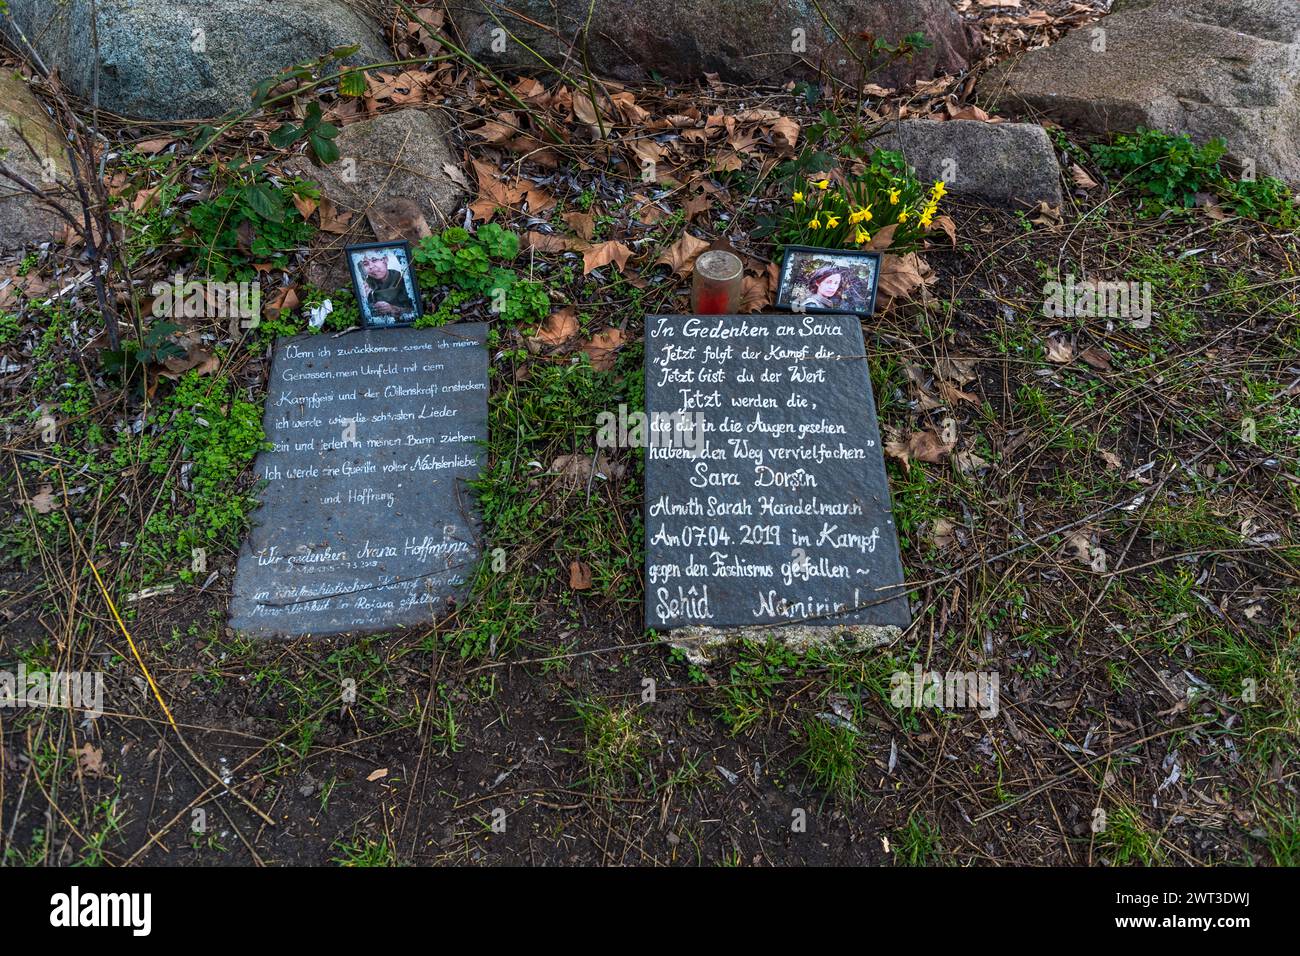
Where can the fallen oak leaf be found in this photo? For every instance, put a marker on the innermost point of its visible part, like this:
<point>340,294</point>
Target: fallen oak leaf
<point>90,760</point>
<point>559,327</point>
<point>43,502</point>
<point>603,347</point>
<point>579,576</point>
<point>681,255</point>
<point>1059,350</point>
<point>583,224</point>
<point>900,276</point>
<point>1097,357</point>
<point>545,242</point>
<point>947,225</point>
<point>882,240</point>
<point>1081,177</point>
<point>605,253</point>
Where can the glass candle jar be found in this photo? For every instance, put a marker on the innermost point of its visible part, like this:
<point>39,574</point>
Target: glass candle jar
<point>715,289</point>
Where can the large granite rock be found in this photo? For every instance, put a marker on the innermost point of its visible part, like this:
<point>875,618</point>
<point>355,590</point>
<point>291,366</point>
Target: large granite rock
<point>1012,164</point>
<point>1227,68</point>
<point>748,41</point>
<point>24,219</point>
<point>185,59</point>
<point>392,170</point>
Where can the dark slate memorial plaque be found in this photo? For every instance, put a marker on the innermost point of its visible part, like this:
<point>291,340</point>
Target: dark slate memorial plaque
<point>769,506</point>
<point>366,520</point>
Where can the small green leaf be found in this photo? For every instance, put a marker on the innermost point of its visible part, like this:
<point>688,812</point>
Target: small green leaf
<point>325,150</point>
<point>352,83</point>
<point>286,136</point>
<point>265,202</point>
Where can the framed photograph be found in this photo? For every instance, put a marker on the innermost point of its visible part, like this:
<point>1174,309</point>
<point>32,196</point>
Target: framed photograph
<point>384,282</point>
<point>828,280</point>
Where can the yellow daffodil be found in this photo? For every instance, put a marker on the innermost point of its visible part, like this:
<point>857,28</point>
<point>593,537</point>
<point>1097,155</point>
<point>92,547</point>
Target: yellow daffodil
<point>813,223</point>
<point>863,236</point>
<point>902,216</point>
<point>926,218</point>
<point>940,187</point>
<point>862,215</point>
<point>798,197</point>
<point>832,222</point>
<point>894,197</point>
<point>824,184</point>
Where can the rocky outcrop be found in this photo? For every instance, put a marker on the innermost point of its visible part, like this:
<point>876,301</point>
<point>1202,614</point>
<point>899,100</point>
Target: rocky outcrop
<point>30,145</point>
<point>747,41</point>
<point>1011,164</point>
<point>390,182</point>
<point>1225,68</point>
<point>184,59</point>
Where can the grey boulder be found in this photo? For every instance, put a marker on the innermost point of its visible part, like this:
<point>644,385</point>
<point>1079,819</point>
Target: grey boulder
<point>31,147</point>
<point>1207,68</point>
<point>1012,164</point>
<point>748,41</point>
<point>183,59</point>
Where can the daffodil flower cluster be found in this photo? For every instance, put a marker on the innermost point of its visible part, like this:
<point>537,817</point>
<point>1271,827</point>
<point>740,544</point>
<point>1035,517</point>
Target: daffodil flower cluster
<point>847,211</point>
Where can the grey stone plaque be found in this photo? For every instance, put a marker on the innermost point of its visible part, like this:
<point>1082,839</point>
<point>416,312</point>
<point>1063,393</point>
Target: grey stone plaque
<point>366,520</point>
<point>766,501</point>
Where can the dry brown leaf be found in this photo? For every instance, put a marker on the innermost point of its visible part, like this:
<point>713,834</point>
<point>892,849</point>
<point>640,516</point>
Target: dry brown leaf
<point>285,299</point>
<point>90,760</point>
<point>578,469</point>
<point>681,255</point>
<point>696,205</point>
<point>559,327</point>
<point>306,205</point>
<point>1047,215</point>
<point>785,134</point>
<point>456,175</point>
<point>605,253</point>
<point>947,225</point>
<point>500,130</point>
<point>43,502</point>
<point>924,446</point>
<point>1097,357</point>
<point>970,113</point>
<point>150,147</point>
<point>968,461</point>
<point>957,370</point>
<point>603,347</point>
<point>583,224</point>
<point>379,774</point>
<point>883,239</point>
<point>545,242</point>
<point>758,292</point>
<point>579,576</point>
<point>942,533</point>
<point>332,219</point>
<point>198,359</point>
<point>1059,350</point>
<point>1081,177</point>
<point>398,219</point>
<point>951,394</point>
<point>900,276</point>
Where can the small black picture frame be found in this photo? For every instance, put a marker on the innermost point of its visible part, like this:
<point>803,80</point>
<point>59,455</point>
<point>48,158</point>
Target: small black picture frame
<point>855,294</point>
<point>382,302</point>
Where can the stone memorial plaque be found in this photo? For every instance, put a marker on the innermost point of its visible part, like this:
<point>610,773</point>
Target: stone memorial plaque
<point>766,501</point>
<point>366,520</point>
